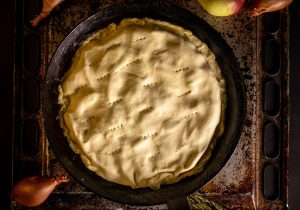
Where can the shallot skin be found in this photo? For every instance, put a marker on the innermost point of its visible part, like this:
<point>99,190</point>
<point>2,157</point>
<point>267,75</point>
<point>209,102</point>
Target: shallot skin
<point>34,190</point>
<point>48,6</point>
<point>263,6</point>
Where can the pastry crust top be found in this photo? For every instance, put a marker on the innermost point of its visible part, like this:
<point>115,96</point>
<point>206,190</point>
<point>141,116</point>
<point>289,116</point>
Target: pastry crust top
<point>143,103</point>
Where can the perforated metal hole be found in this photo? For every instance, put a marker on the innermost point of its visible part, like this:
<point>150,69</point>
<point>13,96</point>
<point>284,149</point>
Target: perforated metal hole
<point>31,9</point>
<point>31,53</point>
<point>271,140</point>
<point>272,98</point>
<point>272,22</point>
<point>272,57</point>
<point>271,182</point>
<point>30,138</point>
<point>31,95</point>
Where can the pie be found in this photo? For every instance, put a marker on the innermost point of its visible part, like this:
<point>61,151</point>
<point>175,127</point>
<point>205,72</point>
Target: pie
<point>143,103</point>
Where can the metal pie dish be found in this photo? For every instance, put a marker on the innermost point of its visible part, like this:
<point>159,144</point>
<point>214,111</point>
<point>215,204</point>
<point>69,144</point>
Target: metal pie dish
<point>234,113</point>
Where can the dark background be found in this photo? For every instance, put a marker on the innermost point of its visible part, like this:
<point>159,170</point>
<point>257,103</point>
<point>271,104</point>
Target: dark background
<point>294,161</point>
<point>7,51</point>
<point>7,33</point>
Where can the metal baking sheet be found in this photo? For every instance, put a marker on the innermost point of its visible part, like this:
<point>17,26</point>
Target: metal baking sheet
<point>255,175</point>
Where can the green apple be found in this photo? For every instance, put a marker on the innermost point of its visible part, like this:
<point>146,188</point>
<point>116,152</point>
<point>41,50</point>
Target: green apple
<point>222,7</point>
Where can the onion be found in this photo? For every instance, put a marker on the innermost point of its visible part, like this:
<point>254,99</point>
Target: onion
<point>48,6</point>
<point>34,190</point>
<point>262,6</point>
<point>222,7</point>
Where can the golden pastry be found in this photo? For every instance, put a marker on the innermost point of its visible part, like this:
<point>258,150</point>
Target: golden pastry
<point>143,103</point>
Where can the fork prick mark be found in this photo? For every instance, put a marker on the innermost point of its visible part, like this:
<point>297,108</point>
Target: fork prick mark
<point>185,93</point>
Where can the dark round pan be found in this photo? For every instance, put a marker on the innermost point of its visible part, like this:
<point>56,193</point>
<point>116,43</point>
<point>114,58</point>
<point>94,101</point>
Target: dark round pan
<point>234,112</point>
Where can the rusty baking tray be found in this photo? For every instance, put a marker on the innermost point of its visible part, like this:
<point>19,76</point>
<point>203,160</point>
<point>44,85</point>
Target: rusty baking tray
<point>255,177</point>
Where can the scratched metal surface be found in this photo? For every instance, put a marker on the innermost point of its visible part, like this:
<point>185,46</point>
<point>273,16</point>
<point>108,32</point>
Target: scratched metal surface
<point>233,187</point>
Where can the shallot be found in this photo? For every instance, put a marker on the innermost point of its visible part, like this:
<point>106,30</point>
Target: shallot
<point>34,190</point>
<point>263,6</point>
<point>48,6</point>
